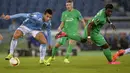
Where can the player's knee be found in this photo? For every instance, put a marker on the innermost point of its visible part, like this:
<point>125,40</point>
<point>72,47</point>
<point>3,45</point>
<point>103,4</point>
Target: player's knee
<point>1,37</point>
<point>16,36</point>
<point>57,45</point>
<point>72,42</point>
<point>105,46</point>
<point>43,41</point>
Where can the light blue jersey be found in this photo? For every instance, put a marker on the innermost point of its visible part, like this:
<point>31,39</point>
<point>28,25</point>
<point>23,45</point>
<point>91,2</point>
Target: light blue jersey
<point>34,21</point>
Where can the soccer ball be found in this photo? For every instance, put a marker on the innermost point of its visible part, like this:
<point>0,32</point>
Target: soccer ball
<point>14,61</point>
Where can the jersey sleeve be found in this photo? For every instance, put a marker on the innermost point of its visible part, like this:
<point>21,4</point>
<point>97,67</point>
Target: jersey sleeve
<point>62,17</point>
<point>35,15</point>
<point>25,15</point>
<point>97,20</point>
<point>79,16</point>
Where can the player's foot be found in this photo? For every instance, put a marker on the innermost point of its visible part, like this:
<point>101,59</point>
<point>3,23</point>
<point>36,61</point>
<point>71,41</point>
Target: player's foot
<point>66,61</point>
<point>41,61</point>
<point>60,34</point>
<point>44,62</point>
<point>50,59</point>
<point>113,62</point>
<point>117,55</point>
<point>9,57</point>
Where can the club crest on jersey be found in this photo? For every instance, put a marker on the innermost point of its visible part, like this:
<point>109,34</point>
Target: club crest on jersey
<point>97,20</point>
<point>69,19</point>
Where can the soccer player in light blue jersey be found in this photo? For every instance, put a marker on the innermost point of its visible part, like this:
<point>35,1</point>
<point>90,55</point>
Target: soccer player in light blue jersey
<point>33,25</point>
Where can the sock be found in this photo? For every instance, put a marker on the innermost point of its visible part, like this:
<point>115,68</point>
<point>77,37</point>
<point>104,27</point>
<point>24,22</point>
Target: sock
<point>127,51</point>
<point>54,51</point>
<point>69,50</point>
<point>13,45</point>
<point>42,51</point>
<point>107,53</point>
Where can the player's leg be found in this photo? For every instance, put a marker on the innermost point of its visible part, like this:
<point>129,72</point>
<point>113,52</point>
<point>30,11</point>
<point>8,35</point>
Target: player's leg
<point>107,52</point>
<point>99,40</point>
<point>54,51</point>
<point>61,41</point>
<point>120,53</point>
<point>75,36</point>
<point>126,51</point>
<point>17,34</point>
<point>69,50</point>
<point>1,38</point>
<point>41,38</point>
<point>70,35</point>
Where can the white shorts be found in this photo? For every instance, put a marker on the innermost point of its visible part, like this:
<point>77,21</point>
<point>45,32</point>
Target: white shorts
<point>27,30</point>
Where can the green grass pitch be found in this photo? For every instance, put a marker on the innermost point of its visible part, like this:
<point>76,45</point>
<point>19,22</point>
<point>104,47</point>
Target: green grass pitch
<point>87,62</point>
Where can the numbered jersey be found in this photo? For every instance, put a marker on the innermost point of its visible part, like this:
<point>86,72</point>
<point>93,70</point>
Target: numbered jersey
<point>99,20</point>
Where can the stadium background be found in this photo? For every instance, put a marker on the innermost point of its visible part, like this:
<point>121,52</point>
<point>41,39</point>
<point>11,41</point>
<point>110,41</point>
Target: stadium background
<point>90,57</point>
<point>117,39</point>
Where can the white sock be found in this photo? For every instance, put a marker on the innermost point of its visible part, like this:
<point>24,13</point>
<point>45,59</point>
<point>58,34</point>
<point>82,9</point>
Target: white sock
<point>127,51</point>
<point>13,45</point>
<point>42,51</point>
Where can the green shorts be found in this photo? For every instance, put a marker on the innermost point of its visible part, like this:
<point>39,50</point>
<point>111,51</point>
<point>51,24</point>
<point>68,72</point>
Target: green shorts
<point>97,38</point>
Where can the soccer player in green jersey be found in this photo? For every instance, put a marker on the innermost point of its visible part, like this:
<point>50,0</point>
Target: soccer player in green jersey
<point>69,24</point>
<point>92,31</point>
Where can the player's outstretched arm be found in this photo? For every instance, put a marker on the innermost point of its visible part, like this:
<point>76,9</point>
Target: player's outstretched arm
<point>7,17</point>
<point>61,26</point>
<point>83,22</point>
<point>25,15</point>
<point>111,24</point>
<point>90,25</point>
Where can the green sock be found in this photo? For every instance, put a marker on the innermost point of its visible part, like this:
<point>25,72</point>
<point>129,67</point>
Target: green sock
<point>75,37</point>
<point>107,53</point>
<point>54,51</point>
<point>69,50</point>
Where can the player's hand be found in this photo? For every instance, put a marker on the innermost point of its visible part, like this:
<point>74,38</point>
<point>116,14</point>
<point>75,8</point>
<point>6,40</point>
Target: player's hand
<point>3,15</point>
<point>113,26</point>
<point>49,47</point>
<point>59,29</point>
<point>89,41</point>
<point>6,17</point>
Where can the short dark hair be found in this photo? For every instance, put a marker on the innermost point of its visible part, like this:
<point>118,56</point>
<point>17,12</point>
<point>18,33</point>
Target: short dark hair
<point>109,6</point>
<point>69,1</point>
<point>49,11</point>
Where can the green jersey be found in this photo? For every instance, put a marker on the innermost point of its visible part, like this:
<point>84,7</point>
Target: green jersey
<point>99,20</point>
<point>71,20</point>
